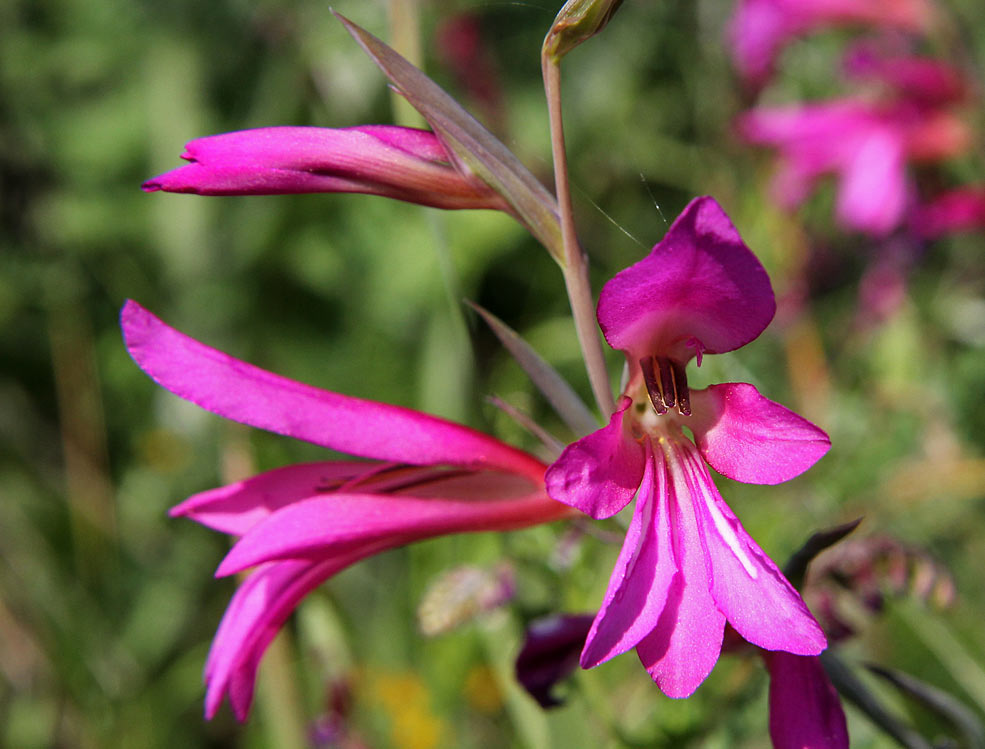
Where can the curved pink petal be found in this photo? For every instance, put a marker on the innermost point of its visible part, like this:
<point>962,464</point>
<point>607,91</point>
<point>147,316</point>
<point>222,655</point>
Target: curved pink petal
<point>242,392</point>
<point>873,190</point>
<point>599,473</point>
<point>746,585</point>
<point>640,581</point>
<point>396,162</point>
<point>805,711</point>
<point>256,612</point>
<point>684,646</point>
<point>749,438</point>
<point>700,290</point>
<point>322,526</point>
<point>237,507</point>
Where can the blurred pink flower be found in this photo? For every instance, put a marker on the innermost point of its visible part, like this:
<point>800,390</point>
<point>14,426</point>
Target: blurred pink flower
<point>805,710</point>
<point>804,707</point>
<point>914,78</point>
<point>687,565</point>
<point>952,212</point>
<point>866,144</point>
<point>301,524</point>
<point>395,162</point>
<point>760,29</point>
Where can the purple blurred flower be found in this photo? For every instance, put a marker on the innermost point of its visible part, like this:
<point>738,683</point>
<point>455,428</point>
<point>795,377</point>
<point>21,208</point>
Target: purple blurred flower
<point>687,565</point>
<point>914,78</point>
<point>952,212</point>
<point>395,162</point>
<point>760,29</point>
<point>805,710</point>
<point>301,524</point>
<point>550,653</point>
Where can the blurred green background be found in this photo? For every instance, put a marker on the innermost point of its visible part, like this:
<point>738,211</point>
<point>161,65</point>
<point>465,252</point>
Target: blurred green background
<point>107,607</point>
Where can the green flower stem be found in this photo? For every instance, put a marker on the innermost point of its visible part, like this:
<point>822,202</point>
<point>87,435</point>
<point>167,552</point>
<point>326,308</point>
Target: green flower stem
<point>575,264</point>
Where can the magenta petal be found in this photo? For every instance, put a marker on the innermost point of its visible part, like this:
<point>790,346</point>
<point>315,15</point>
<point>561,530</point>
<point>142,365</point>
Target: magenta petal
<point>684,646</point>
<point>873,190</point>
<point>314,528</point>
<point>397,162</point>
<point>757,31</point>
<point>750,438</point>
<point>700,286</point>
<point>600,473</point>
<point>746,585</point>
<point>239,391</point>
<point>237,507</point>
<point>640,581</point>
<point>254,615</point>
<point>805,711</point>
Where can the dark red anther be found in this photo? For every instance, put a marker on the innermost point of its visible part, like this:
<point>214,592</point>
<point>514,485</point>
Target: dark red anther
<point>666,381</point>
<point>652,386</point>
<point>680,387</point>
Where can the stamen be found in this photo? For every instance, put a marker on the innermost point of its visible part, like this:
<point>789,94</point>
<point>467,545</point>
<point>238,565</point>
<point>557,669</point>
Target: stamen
<point>652,386</point>
<point>680,387</point>
<point>666,381</point>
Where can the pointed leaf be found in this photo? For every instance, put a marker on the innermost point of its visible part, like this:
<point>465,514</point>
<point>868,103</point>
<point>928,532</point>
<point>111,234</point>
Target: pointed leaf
<point>855,691</point>
<point>796,566</point>
<point>478,149</point>
<point>943,703</point>
<point>555,388</point>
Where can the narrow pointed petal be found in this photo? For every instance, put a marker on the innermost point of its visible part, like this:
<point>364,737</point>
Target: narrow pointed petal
<point>566,402</point>
<point>237,507</point>
<point>332,525</point>
<point>642,577</point>
<point>254,615</point>
<point>600,473</point>
<point>749,438</point>
<point>239,391</point>
<point>396,162</point>
<point>684,646</point>
<point>700,290</point>
<point>805,711</point>
<point>746,585</point>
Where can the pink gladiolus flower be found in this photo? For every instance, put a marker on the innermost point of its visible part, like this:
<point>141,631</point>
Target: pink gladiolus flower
<point>761,28</point>
<point>687,565</point>
<point>395,162</point>
<point>301,524</point>
<point>917,79</point>
<point>867,145</point>
<point>953,212</point>
<point>805,711</point>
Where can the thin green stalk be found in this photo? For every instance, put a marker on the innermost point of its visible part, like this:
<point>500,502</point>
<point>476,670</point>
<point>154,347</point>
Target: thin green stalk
<point>575,265</point>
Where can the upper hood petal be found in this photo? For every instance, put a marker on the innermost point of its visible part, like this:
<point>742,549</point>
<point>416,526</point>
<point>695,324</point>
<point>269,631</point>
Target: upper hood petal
<point>699,290</point>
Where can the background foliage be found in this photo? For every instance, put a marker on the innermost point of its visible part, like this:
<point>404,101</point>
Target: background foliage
<point>107,606</point>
